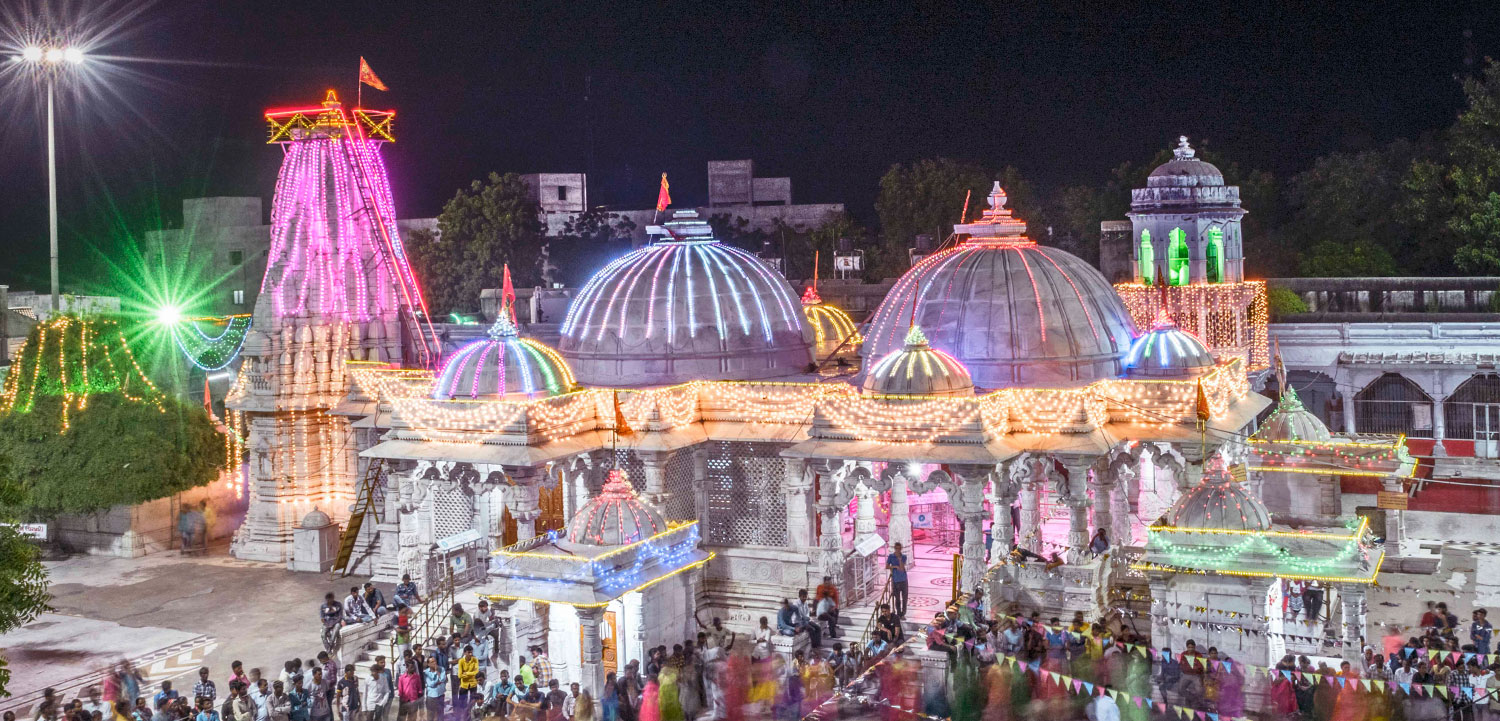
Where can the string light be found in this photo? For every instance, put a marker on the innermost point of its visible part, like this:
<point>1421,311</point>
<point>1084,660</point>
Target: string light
<point>216,352</point>
<point>75,358</point>
<point>1227,317</point>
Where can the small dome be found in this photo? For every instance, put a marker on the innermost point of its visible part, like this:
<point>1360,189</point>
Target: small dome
<point>616,517</point>
<point>682,309</point>
<point>316,519</point>
<point>1013,312</point>
<point>1292,422</point>
<point>503,365</point>
<point>918,370</point>
<point>833,329</point>
<point>1184,170</point>
<point>1167,351</point>
<point>1219,503</point>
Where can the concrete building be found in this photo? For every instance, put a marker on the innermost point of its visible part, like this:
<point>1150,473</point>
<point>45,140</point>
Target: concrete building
<point>733,192</point>
<point>226,242</point>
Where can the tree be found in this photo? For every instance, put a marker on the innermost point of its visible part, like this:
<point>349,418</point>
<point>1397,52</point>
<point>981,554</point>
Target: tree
<point>1455,194</point>
<point>480,231</point>
<point>1347,259</point>
<point>927,197</point>
<point>1283,301</point>
<point>116,451</point>
<point>588,241</point>
<point>23,588</point>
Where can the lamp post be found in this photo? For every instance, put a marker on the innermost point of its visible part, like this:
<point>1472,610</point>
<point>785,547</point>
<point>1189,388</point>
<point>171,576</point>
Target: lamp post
<point>49,60</point>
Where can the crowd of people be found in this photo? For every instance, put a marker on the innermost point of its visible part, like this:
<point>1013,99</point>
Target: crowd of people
<point>999,667</point>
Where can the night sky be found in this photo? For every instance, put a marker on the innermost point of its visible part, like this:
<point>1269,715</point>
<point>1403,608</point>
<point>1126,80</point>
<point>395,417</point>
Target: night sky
<point>830,93</point>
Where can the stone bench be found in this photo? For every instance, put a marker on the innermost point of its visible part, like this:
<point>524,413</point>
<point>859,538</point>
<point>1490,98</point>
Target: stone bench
<point>787,646</point>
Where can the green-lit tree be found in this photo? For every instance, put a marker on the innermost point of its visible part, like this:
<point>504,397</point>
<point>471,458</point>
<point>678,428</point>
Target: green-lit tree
<point>82,430</point>
<point>483,228</point>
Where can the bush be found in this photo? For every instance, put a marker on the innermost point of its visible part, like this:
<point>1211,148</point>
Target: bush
<point>1284,302</point>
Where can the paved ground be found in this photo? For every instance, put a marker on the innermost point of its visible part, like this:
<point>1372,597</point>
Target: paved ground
<point>168,613</point>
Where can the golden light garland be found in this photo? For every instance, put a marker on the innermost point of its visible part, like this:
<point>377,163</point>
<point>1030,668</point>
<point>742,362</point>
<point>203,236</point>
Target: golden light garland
<point>1225,316</point>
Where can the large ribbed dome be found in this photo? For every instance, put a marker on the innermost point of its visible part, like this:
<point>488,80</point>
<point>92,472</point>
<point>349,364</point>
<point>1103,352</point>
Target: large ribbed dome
<point>615,517</point>
<point>1013,312</point>
<point>918,370</point>
<point>1184,170</point>
<point>687,308</point>
<point>1218,503</point>
<point>503,364</point>
<point>1292,422</point>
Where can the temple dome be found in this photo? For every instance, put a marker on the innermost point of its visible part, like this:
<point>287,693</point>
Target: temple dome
<point>682,309</point>
<point>316,519</point>
<point>504,364</point>
<point>1219,503</point>
<point>1184,170</point>
<point>616,517</point>
<point>833,329</point>
<point>1013,312</point>
<point>918,370</point>
<point>1167,351</point>
<point>1292,422</point>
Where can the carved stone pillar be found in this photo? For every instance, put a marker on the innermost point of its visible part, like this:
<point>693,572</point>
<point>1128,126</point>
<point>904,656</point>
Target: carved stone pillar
<point>1002,531</point>
<point>591,650</point>
<point>900,524</point>
<point>1104,490</point>
<point>524,500</point>
<point>505,611</point>
<point>655,465</point>
<point>1351,610</point>
<point>830,542</point>
<point>1031,516</point>
<point>969,507</point>
<point>1120,515</point>
<point>1078,526</point>
<point>1348,398</point>
<point>864,516</point>
<point>1395,530</point>
<point>797,487</point>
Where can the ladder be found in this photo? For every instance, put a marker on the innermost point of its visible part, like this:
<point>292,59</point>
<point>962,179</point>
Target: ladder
<point>419,328</point>
<point>371,496</point>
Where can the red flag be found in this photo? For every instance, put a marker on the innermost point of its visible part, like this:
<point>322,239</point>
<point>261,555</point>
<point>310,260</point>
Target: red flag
<point>508,293</point>
<point>663,198</point>
<point>368,77</point>
<point>208,398</point>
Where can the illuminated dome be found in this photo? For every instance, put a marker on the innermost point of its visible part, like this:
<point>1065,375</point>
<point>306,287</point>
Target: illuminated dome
<point>1292,422</point>
<point>1167,352</point>
<point>1184,170</point>
<point>686,308</point>
<point>503,364</point>
<point>1014,313</point>
<point>831,325</point>
<point>918,370</point>
<point>1219,503</point>
<point>615,517</point>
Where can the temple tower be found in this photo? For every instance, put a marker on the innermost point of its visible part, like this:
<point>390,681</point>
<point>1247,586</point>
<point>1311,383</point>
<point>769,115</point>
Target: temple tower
<point>337,288</point>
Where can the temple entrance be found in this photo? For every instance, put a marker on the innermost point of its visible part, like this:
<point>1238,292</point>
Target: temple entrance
<point>936,536</point>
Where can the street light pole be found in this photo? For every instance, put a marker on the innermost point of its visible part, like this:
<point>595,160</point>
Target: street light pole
<point>52,193</point>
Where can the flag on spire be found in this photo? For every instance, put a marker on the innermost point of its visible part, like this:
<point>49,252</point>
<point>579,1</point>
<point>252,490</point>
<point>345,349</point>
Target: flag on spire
<point>368,76</point>
<point>508,294</point>
<point>1280,369</point>
<point>663,197</point>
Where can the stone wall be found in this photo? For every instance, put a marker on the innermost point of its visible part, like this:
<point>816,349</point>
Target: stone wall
<point>150,527</point>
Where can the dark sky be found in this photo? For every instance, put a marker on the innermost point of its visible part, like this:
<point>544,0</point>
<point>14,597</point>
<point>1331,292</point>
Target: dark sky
<point>830,93</point>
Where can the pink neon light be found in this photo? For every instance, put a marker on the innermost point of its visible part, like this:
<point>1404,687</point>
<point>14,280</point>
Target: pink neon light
<point>474,385</point>
<point>1041,319</point>
<point>1086,313</point>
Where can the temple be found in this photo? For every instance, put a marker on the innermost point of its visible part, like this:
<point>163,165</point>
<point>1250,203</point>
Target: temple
<point>688,447</point>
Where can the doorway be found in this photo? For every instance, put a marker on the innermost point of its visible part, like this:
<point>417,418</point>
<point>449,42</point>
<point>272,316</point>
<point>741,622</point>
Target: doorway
<point>1486,430</point>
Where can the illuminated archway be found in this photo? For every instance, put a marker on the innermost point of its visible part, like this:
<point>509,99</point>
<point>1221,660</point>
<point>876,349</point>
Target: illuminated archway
<point>1147,259</point>
<point>1177,258</point>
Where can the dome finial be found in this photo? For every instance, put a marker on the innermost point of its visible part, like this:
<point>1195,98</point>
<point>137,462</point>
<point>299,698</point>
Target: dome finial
<point>1183,151</point>
<point>504,326</point>
<point>997,196</point>
<point>915,337</point>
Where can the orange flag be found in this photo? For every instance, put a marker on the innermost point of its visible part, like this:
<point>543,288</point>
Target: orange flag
<point>208,398</point>
<point>368,76</point>
<point>1202,403</point>
<point>664,197</point>
<point>622,427</point>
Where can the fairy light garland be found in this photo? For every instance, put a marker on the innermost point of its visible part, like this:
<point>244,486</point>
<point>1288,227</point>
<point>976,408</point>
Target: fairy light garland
<point>75,358</point>
<point>1225,316</point>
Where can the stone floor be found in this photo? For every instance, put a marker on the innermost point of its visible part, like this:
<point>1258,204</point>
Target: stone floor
<point>167,613</point>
